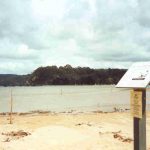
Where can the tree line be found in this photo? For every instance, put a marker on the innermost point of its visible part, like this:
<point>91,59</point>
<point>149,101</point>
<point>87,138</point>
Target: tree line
<point>64,75</point>
<point>67,75</point>
<point>13,80</point>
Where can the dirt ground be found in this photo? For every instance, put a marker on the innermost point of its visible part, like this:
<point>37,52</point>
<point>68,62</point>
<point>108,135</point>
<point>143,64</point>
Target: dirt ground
<point>69,131</point>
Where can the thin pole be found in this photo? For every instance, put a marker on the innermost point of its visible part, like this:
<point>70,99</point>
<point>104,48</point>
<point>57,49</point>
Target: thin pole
<point>140,126</point>
<point>11,107</point>
<point>61,91</point>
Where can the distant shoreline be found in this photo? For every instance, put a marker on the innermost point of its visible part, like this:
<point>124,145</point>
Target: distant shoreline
<point>63,75</point>
<point>39,112</point>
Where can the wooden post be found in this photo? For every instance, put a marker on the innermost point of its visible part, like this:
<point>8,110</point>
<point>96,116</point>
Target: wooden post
<point>140,125</point>
<point>11,108</point>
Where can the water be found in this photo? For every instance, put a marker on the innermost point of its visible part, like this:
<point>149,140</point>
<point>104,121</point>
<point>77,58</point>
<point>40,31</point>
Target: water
<point>65,98</point>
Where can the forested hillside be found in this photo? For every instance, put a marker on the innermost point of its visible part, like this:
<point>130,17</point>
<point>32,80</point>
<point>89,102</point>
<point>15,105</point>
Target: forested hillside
<point>13,80</point>
<point>67,75</point>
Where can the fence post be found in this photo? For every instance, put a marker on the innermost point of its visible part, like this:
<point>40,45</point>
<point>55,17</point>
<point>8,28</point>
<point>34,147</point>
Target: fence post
<point>140,126</point>
<point>11,107</point>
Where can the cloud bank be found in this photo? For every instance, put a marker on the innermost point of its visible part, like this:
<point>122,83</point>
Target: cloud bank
<point>94,33</point>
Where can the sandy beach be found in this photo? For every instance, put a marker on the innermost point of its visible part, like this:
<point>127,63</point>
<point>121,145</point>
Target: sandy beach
<point>69,131</point>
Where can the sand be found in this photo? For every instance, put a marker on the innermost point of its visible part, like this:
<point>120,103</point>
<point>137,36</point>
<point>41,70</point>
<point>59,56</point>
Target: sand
<point>69,131</point>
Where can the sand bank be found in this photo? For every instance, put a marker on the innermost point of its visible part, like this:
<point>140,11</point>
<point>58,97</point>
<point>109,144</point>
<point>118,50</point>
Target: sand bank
<point>68,131</point>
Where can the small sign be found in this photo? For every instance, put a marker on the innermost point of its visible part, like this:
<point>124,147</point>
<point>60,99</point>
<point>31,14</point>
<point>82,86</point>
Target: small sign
<point>136,103</point>
<point>138,76</point>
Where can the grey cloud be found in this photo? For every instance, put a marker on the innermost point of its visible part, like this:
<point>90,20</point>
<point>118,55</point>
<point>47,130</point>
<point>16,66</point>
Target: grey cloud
<point>23,67</point>
<point>18,24</point>
<point>77,9</point>
<point>143,16</point>
<point>17,57</point>
<point>117,31</point>
<point>124,58</point>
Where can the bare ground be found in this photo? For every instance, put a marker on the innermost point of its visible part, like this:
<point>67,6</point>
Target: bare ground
<point>69,131</point>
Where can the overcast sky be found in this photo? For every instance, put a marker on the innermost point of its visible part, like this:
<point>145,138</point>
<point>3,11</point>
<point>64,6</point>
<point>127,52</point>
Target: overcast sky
<point>94,33</point>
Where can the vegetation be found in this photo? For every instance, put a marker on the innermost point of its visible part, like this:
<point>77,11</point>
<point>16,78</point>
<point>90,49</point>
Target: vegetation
<point>67,75</point>
<point>13,80</point>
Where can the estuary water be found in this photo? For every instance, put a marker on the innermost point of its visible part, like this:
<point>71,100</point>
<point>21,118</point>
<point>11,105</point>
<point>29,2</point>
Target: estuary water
<point>66,98</point>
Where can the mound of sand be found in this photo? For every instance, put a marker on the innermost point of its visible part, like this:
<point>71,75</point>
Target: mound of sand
<point>47,138</point>
<point>95,131</point>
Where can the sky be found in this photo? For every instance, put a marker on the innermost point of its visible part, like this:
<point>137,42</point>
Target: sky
<point>89,33</point>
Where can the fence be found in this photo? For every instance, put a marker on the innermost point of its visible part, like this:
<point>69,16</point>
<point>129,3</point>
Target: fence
<point>64,98</point>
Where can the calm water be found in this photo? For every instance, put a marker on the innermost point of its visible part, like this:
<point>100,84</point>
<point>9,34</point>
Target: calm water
<point>64,98</point>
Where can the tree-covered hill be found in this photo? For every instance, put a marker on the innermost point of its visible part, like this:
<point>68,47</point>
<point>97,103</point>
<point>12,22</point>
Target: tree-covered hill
<point>67,75</point>
<point>13,80</point>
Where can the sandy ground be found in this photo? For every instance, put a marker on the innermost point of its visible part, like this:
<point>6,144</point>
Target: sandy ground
<point>68,131</point>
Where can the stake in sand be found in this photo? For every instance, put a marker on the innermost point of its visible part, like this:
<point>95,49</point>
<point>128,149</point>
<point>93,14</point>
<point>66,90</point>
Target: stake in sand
<point>137,78</point>
<point>11,107</point>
